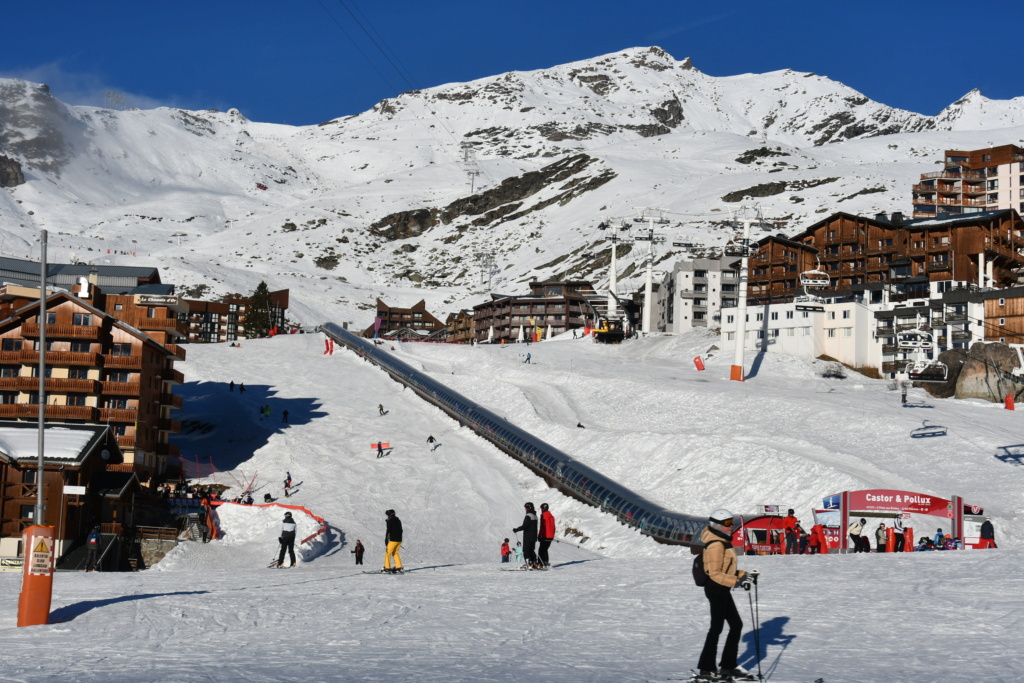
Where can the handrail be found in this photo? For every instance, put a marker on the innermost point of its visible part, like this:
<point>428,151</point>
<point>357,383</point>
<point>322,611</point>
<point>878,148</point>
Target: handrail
<point>556,467</point>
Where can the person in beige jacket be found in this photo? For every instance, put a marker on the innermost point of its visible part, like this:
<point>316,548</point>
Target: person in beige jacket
<point>720,566</point>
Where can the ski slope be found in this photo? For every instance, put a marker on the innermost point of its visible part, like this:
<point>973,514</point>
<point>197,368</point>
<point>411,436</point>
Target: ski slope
<point>619,608</point>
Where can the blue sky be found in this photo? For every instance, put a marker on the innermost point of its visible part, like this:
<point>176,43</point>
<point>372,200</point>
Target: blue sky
<point>306,61</point>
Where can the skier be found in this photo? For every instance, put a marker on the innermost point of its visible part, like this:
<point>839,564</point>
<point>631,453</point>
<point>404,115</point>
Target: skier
<point>529,529</point>
<point>854,530</point>
<point>988,535</point>
<point>880,538</point>
<point>231,387</point>
<point>518,550</point>
<point>547,534</point>
<point>380,449</point>
<point>93,544</point>
<point>287,483</point>
<point>284,416</point>
<point>380,408</point>
<point>431,439</point>
<point>358,552</point>
<point>287,540</point>
<point>789,524</point>
<point>723,575</point>
<point>392,541</point>
<point>528,357</point>
<point>241,388</point>
<point>939,541</point>
<point>505,552</point>
<point>580,425</point>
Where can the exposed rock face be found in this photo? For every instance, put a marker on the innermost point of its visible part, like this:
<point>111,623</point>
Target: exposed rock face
<point>37,127</point>
<point>984,371</point>
<point>10,172</point>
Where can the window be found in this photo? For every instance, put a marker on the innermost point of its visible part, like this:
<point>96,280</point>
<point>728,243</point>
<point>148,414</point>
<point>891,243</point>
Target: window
<point>729,319</point>
<point>120,349</point>
<point>700,273</point>
<point>118,307</point>
<point>81,319</point>
<point>806,314</point>
<point>77,399</point>
<point>789,315</point>
<point>846,314</point>
<point>115,403</point>
<point>831,315</point>
<point>78,373</point>
<point>29,476</point>
<point>9,370</point>
<point>117,375</point>
<point>730,336</point>
<point>807,331</point>
<point>81,347</point>
<point>831,333</point>
<point>847,331</point>
<point>51,318</point>
<point>760,316</point>
<point>775,315</point>
<point>119,430</point>
<point>790,331</point>
<point>1002,321</point>
<point>28,511</point>
<point>15,344</point>
<point>1002,302</point>
<point>8,398</point>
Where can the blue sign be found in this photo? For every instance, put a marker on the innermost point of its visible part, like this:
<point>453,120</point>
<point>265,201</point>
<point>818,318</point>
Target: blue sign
<point>832,502</point>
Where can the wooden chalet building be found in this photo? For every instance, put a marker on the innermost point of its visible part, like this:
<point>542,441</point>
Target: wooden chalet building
<point>75,455</point>
<point>986,249</point>
<point>562,305</point>
<point>112,368</point>
<point>393,319</point>
<point>460,326</point>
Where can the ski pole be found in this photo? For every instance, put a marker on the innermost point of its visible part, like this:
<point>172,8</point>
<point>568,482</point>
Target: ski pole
<point>757,624</point>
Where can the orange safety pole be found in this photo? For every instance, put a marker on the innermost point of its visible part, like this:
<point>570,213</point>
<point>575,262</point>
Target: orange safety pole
<point>37,576</point>
<point>890,539</point>
<point>908,539</point>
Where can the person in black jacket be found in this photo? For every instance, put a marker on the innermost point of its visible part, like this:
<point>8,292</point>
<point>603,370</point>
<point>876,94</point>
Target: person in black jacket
<point>529,529</point>
<point>392,541</point>
<point>358,552</point>
<point>988,534</point>
<point>287,540</point>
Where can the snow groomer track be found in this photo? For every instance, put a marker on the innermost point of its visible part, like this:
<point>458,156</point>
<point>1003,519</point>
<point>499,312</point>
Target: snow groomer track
<point>557,468</point>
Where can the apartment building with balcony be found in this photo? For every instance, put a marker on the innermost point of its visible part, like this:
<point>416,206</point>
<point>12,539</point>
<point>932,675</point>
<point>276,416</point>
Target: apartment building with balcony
<point>694,292</point>
<point>221,321</point>
<point>856,251</point>
<point>460,326</point>
<point>416,320</point>
<point>560,305</point>
<point>972,181</point>
<point>113,368</point>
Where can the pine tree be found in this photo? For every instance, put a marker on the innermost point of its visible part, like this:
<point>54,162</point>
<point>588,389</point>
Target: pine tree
<point>257,317</point>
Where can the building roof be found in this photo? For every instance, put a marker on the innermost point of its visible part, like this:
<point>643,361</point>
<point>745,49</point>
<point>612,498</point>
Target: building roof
<point>114,484</point>
<point>69,443</point>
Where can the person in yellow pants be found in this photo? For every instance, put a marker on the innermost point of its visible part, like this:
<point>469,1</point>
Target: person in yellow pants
<point>392,541</point>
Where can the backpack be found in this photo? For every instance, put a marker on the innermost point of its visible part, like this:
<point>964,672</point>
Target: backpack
<point>700,577</point>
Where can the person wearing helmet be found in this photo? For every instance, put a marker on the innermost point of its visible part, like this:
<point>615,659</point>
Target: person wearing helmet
<point>547,534</point>
<point>723,575</point>
<point>287,540</point>
<point>392,541</point>
<point>529,529</point>
<point>789,523</point>
<point>854,530</point>
<point>93,544</point>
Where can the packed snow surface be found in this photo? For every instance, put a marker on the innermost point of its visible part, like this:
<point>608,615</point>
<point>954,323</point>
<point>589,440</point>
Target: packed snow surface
<point>617,607</point>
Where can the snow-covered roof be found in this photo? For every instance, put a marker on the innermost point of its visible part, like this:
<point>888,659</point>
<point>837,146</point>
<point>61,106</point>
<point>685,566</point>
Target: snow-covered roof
<point>20,441</point>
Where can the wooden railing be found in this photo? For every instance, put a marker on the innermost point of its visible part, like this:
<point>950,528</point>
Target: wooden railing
<point>174,377</point>
<point>31,410</point>
<point>62,331</point>
<point>166,425</point>
<point>130,362</point>
<point>53,384</point>
<point>126,441</point>
<point>161,324</point>
<point>120,388</point>
<point>118,414</point>
<point>170,400</point>
<point>177,351</point>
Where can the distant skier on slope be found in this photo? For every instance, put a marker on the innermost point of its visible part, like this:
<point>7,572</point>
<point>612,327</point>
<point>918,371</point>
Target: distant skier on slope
<point>287,540</point>
<point>529,529</point>
<point>547,534</point>
<point>723,574</point>
<point>358,552</point>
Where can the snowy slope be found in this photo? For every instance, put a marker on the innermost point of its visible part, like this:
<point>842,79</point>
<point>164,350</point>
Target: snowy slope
<point>623,610</point>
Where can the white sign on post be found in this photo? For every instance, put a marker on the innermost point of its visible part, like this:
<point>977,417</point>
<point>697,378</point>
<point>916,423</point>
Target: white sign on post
<point>76,490</point>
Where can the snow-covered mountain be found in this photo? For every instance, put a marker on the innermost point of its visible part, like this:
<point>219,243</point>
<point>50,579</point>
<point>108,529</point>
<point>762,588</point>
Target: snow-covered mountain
<point>412,198</point>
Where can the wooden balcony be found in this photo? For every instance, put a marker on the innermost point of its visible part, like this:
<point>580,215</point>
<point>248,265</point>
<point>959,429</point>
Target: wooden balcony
<point>169,325</point>
<point>126,441</point>
<point>120,388</point>
<point>31,410</point>
<point>174,377</point>
<point>128,362</point>
<point>176,351</point>
<point>62,331</point>
<point>166,425</point>
<point>168,451</point>
<point>118,415</point>
<point>170,400</point>
<point>54,385</point>
<point>31,356</point>
<point>925,188</point>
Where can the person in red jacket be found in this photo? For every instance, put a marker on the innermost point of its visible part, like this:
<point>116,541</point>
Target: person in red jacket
<point>789,524</point>
<point>547,534</point>
<point>505,552</point>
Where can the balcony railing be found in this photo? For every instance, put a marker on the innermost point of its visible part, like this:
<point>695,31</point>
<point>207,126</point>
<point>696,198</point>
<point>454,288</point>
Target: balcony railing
<point>61,331</point>
<point>118,414</point>
<point>130,362</point>
<point>168,450</point>
<point>952,174</point>
<point>166,425</point>
<point>172,325</point>
<point>924,188</point>
<point>120,388</point>
<point>126,441</point>
<point>52,357</point>
<point>57,385</point>
<point>177,351</point>
<point>175,376</point>
<point>31,410</point>
<point>170,400</point>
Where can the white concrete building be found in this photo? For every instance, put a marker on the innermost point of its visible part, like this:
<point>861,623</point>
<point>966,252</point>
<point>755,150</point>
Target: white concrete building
<point>694,292</point>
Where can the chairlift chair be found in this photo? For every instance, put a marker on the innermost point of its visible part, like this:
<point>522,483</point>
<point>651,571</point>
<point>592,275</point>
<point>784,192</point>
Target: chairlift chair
<point>927,371</point>
<point>814,279</point>
<point>915,339</point>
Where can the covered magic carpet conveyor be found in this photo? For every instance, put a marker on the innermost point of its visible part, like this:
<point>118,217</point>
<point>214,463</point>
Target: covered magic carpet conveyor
<point>557,468</point>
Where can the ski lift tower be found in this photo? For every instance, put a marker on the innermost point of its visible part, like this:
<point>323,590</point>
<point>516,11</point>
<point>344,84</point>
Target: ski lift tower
<point>743,250</point>
<point>612,282</point>
<point>647,215</point>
